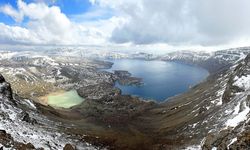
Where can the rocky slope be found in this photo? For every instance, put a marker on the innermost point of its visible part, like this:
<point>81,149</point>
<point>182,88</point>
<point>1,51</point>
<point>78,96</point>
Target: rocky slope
<point>211,115</point>
<point>23,127</point>
<point>235,114</point>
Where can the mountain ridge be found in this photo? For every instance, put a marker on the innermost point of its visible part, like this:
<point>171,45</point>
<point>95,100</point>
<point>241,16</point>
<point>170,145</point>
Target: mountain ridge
<point>213,114</point>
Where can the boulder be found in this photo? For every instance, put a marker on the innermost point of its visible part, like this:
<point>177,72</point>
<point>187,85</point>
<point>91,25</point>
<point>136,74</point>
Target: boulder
<point>69,147</point>
<point>5,90</point>
<point>5,139</point>
<point>25,117</point>
<point>2,79</point>
<point>247,60</point>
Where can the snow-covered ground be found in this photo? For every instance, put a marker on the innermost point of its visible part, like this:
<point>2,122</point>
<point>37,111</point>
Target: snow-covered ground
<point>44,134</point>
<point>243,82</point>
<point>238,116</point>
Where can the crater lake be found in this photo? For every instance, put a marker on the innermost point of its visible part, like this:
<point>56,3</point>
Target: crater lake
<point>161,79</point>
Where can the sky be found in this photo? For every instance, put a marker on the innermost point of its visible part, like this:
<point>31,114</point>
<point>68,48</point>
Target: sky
<point>125,24</point>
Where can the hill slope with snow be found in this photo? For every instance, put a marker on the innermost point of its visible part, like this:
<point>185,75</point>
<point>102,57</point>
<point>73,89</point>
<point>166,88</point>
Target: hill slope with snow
<point>211,115</point>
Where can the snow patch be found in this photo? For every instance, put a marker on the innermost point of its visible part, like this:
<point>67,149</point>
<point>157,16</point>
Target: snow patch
<point>237,109</point>
<point>232,141</point>
<point>30,103</point>
<point>214,148</point>
<point>242,116</point>
<point>193,147</point>
<point>242,82</point>
<point>194,125</point>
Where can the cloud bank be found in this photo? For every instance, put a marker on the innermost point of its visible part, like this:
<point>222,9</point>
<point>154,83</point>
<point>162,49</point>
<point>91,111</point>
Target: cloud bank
<point>182,21</point>
<point>137,22</point>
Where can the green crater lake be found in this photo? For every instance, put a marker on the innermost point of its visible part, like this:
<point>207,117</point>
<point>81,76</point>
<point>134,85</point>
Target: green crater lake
<point>64,99</point>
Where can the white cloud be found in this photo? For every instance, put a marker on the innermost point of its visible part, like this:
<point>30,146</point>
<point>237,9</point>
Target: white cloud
<point>47,25</point>
<point>175,22</point>
<point>17,35</point>
<point>9,10</point>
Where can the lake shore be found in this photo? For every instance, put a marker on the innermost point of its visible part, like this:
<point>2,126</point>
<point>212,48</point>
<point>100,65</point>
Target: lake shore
<point>61,99</point>
<point>161,80</point>
<point>44,99</point>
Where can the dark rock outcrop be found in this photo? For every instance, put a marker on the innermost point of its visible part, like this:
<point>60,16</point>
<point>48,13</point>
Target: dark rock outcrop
<point>97,91</point>
<point>242,142</point>
<point>247,60</point>
<point>216,140</point>
<point>2,79</point>
<point>230,91</point>
<point>26,117</point>
<point>6,139</point>
<point>5,90</point>
<point>69,147</point>
<point>125,78</point>
<point>8,142</point>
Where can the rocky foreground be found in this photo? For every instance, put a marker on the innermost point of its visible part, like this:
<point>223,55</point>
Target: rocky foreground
<point>23,127</point>
<point>211,115</point>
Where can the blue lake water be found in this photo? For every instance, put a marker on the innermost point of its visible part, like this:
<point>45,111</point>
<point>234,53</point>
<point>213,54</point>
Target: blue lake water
<point>161,79</point>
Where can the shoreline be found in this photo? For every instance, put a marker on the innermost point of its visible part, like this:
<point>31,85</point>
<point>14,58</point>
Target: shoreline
<point>44,99</point>
<point>164,100</point>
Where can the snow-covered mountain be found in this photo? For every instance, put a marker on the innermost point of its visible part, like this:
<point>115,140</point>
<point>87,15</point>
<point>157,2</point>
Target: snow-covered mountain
<point>211,115</point>
<point>212,61</point>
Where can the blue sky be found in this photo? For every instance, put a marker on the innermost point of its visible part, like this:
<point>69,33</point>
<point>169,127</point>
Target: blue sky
<point>5,18</point>
<point>68,7</point>
<point>72,7</point>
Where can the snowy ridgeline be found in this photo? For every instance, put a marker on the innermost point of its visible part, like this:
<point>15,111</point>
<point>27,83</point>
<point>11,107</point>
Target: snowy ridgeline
<point>228,55</point>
